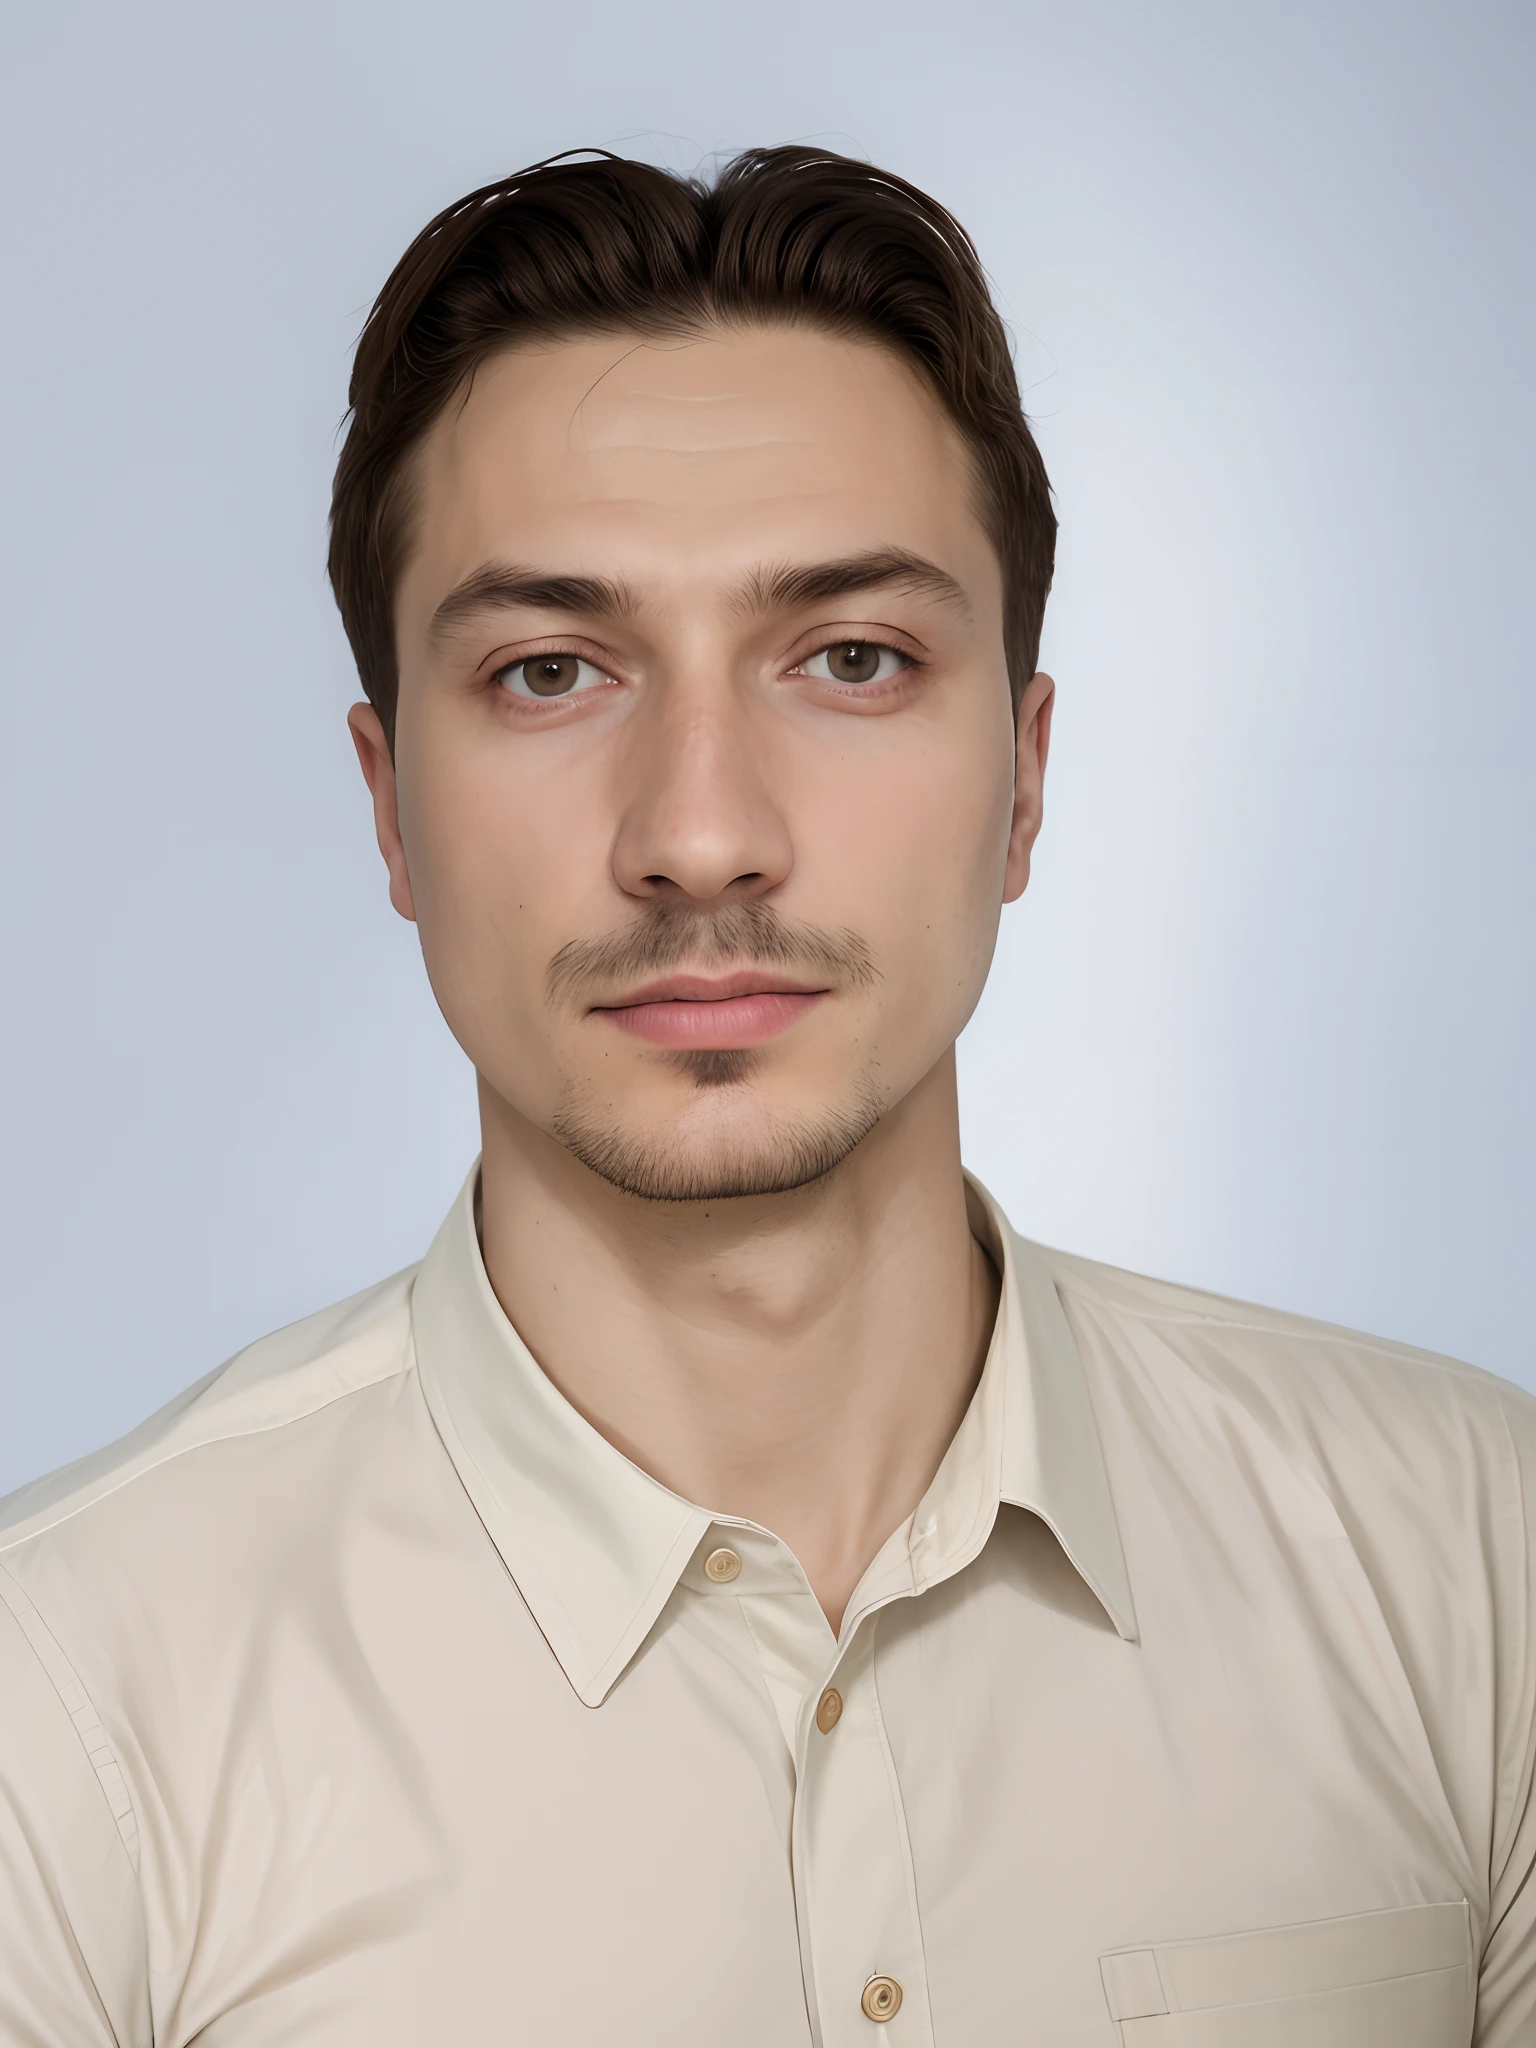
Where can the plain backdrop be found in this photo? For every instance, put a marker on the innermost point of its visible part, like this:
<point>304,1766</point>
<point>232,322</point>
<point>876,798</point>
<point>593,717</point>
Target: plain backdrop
<point>1264,1021</point>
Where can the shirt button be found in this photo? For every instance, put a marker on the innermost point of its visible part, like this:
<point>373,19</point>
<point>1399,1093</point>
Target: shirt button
<point>829,1710</point>
<point>722,1566</point>
<point>881,2000</point>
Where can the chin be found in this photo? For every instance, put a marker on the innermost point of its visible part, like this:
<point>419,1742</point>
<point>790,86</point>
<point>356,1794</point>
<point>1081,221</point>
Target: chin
<point>735,1151</point>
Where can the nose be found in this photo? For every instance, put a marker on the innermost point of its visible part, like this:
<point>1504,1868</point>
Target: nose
<point>699,818</point>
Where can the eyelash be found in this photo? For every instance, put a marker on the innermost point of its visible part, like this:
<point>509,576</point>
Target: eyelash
<point>549,656</point>
<point>880,648</point>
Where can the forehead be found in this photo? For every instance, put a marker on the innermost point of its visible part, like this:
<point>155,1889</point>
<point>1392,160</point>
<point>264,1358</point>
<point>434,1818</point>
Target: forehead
<point>685,456</point>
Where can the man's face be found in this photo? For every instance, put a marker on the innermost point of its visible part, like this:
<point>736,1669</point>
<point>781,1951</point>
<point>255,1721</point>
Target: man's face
<point>704,794</point>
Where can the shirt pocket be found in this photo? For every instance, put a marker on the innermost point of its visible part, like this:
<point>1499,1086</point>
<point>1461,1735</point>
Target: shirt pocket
<point>1399,1979</point>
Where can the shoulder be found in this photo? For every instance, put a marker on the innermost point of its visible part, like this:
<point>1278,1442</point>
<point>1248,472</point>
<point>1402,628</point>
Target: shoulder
<point>146,1594</point>
<point>1249,1345</point>
<point>269,1391</point>
<point>1371,1416</point>
<point>1365,1505</point>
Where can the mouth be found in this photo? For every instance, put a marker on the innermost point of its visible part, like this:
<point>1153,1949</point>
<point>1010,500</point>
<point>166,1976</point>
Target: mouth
<point>723,1013</point>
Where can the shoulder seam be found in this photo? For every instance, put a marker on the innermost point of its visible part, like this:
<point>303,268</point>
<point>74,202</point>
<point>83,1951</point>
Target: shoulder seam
<point>33,1527</point>
<point>1282,1323</point>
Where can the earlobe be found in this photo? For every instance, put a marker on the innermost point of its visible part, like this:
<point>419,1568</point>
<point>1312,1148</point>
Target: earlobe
<point>378,768</point>
<point>1032,743</point>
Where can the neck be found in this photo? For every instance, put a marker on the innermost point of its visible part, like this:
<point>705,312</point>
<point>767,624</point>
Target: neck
<point>800,1361</point>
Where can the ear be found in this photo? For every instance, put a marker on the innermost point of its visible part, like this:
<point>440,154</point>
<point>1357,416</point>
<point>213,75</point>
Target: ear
<point>1032,742</point>
<point>379,773</point>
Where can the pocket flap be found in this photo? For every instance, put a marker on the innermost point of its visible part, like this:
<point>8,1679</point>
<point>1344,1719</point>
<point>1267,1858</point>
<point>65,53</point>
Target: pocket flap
<point>1285,1962</point>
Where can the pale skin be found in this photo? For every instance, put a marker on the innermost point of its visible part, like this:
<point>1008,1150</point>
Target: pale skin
<point>800,1358</point>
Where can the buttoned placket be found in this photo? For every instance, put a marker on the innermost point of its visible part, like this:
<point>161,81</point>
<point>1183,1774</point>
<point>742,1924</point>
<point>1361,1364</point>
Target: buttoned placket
<point>533,1466</point>
<point>851,1859</point>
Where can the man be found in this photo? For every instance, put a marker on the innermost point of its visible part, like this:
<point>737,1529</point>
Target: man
<point>734,1590</point>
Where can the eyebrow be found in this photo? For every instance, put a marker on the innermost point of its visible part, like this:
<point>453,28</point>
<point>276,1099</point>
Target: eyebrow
<point>788,586</point>
<point>499,585</point>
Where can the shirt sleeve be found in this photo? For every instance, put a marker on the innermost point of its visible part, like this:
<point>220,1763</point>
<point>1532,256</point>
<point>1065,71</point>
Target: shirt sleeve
<point>1506,1999</point>
<point>73,1970</point>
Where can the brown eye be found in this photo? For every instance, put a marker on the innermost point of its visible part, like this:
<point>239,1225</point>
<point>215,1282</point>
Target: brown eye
<point>854,662</point>
<point>543,676</point>
<point>551,675</point>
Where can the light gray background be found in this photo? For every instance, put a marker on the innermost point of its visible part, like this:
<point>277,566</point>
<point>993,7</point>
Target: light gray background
<point>1264,1021</point>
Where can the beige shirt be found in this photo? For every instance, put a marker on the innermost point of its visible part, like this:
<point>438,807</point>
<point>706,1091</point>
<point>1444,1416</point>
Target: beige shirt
<point>367,1696</point>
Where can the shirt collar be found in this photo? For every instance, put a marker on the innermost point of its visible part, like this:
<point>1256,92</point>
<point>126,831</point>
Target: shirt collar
<point>596,1546</point>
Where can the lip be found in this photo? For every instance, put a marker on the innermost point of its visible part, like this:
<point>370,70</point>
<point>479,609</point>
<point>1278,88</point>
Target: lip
<point>722,1013</point>
<point>718,988</point>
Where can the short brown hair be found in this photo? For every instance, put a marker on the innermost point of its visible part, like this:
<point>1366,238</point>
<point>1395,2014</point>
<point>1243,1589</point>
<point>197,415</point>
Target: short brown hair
<point>603,244</point>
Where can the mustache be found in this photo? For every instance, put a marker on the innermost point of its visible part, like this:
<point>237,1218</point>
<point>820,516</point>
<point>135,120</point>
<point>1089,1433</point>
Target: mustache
<point>747,934</point>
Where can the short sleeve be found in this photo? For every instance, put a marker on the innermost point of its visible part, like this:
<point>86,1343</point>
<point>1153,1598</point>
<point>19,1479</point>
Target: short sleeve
<point>1506,2002</point>
<point>72,1950</point>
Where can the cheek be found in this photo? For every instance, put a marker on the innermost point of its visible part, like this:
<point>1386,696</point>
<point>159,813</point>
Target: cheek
<point>921,842</point>
<point>489,861</point>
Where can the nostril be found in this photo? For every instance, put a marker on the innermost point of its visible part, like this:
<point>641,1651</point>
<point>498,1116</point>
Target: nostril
<point>661,883</point>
